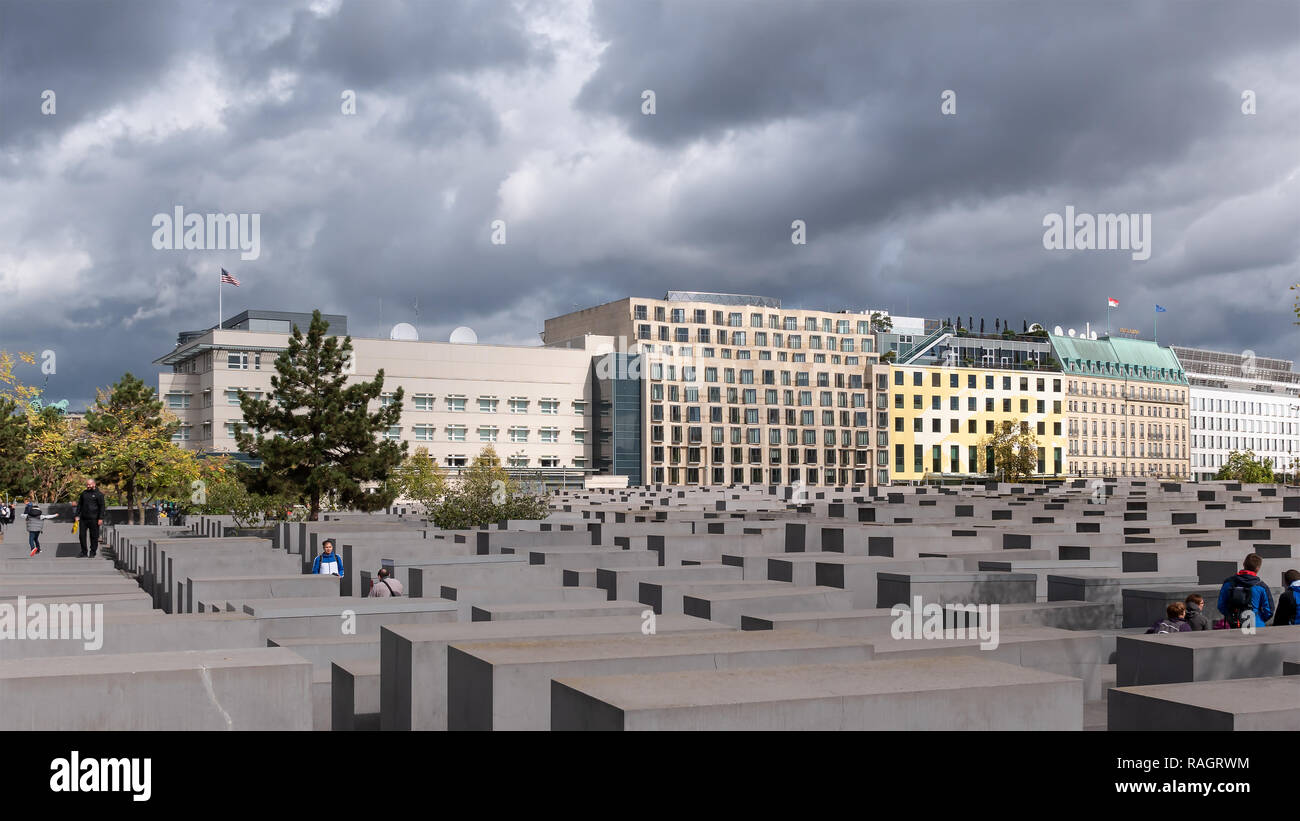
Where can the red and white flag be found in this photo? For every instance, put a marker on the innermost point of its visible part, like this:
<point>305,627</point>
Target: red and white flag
<point>229,279</point>
<point>1112,302</point>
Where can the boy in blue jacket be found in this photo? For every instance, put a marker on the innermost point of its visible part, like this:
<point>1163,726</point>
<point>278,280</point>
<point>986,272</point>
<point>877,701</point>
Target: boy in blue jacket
<point>1246,592</point>
<point>328,562</point>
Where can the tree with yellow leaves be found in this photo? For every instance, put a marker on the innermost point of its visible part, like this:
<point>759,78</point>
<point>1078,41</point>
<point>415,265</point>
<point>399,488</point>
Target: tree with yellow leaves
<point>131,443</point>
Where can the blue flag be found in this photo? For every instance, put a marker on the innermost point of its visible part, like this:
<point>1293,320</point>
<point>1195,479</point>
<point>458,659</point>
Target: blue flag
<point>1159,310</point>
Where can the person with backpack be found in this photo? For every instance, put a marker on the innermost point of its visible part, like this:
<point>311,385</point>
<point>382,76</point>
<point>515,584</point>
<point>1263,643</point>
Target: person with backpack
<point>329,561</point>
<point>35,524</point>
<point>1287,611</point>
<point>1195,604</point>
<point>1244,593</point>
<point>385,585</point>
<point>1174,621</point>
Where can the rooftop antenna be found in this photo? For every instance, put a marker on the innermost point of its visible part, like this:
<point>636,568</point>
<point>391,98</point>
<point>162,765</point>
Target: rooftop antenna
<point>416,306</point>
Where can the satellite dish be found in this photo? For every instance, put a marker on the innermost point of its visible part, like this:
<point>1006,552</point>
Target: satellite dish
<point>1057,330</point>
<point>404,331</point>
<point>463,336</point>
<point>1093,335</point>
<point>1071,332</point>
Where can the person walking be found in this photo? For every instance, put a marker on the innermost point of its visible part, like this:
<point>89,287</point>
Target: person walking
<point>89,518</point>
<point>35,524</point>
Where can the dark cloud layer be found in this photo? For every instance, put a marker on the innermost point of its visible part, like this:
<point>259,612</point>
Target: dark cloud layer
<point>767,112</point>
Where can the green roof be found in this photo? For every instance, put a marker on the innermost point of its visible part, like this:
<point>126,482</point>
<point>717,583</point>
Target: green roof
<point>1139,360</point>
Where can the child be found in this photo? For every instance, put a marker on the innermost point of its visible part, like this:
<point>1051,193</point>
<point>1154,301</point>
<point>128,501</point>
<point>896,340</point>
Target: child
<point>35,524</point>
<point>1174,621</point>
<point>1195,604</point>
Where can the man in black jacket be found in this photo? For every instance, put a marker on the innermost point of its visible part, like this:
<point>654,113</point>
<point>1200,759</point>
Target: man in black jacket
<point>90,514</point>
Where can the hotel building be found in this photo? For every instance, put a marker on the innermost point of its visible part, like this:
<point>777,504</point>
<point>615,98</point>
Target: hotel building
<point>1126,406</point>
<point>719,389</point>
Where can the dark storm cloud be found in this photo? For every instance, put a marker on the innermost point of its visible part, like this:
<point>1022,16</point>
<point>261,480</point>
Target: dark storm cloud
<point>767,112</point>
<point>90,53</point>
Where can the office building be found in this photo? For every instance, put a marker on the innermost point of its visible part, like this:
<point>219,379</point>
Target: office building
<point>1241,402</point>
<point>531,404</point>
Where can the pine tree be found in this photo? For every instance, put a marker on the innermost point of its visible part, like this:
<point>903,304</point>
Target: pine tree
<point>314,433</point>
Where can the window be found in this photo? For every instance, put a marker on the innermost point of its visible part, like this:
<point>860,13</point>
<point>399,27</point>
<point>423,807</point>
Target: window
<point>519,406</point>
<point>181,434</point>
<point>424,401</point>
<point>393,433</point>
<point>551,407</point>
<point>487,405</point>
<point>386,399</point>
<point>424,433</point>
<point>456,433</point>
<point>457,461</point>
<point>550,435</point>
<point>487,433</point>
<point>182,400</point>
<point>237,360</point>
<point>456,404</point>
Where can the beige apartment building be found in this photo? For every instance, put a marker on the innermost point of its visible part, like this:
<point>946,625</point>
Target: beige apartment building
<point>719,389</point>
<point>1126,408</point>
<point>531,404</point>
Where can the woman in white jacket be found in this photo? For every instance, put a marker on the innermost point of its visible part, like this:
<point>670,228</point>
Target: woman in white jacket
<point>35,524</point>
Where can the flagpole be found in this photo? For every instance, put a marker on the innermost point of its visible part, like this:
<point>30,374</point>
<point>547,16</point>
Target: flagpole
<point>218,304</point>
<point>1155,317</point>
<point>1108,317</point>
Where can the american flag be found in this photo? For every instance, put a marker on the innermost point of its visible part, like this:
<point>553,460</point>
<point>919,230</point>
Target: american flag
<point>228,278</point>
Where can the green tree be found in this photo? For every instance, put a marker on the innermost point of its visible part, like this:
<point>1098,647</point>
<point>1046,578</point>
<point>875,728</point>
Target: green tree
<point>1014,449</point>
<point>14,474</point>
<point>130,439</point>
<point>881,323</point>
<point>484,494</point>
<point>1244,467</point>
<point>420,480</point>
<point>314,433</point>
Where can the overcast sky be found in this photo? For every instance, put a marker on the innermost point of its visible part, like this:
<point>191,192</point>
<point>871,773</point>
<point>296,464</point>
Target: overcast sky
<point>530,112</point>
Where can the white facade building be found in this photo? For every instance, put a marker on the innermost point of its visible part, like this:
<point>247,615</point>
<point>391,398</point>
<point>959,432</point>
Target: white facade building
<point>1241,402</point>
<point>530,404</point>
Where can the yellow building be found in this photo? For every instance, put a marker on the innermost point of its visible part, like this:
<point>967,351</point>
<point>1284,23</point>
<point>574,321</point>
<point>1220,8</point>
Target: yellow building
<point>941,416</point>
